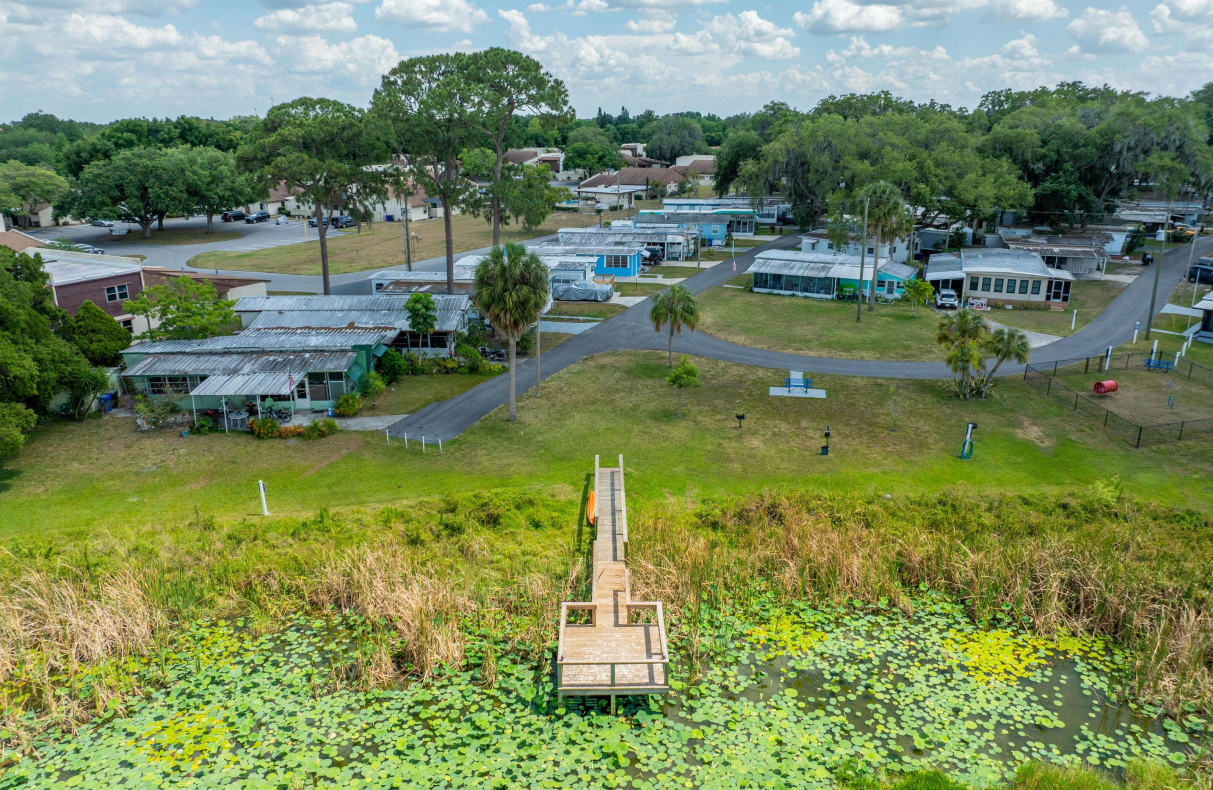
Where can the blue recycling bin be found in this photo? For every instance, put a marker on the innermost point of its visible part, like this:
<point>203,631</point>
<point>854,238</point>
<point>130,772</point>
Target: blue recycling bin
<point>389,218</point>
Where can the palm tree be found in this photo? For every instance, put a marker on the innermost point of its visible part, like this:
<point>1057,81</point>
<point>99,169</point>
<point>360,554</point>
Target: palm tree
<point>1003,344</point>
<point>889,218</point>
<point>511,290</point>
<point>962,333</point>
<point>676,307</point>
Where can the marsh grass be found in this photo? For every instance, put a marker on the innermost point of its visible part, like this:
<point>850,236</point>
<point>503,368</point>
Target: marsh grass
<point>465,582</point>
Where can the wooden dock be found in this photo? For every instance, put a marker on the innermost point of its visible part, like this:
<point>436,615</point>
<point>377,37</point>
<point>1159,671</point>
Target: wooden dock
<point>611,645</point>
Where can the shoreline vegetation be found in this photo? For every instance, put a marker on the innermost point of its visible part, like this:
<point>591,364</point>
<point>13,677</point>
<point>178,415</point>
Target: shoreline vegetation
<point>470,585</point>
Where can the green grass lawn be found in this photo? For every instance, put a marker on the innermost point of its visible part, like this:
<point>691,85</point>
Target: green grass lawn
<point>1088,297</point>
<point>585,309</point>
<point>638,289</point>
<point>687,269</point>
<point>77,479</point>
<point>411,393</point>
<point>818,327</point>
<point>175,236</point>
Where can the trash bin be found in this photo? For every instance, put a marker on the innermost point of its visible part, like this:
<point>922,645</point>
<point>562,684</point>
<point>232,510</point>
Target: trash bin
<point>1104,387</point>
<point>389,218</point>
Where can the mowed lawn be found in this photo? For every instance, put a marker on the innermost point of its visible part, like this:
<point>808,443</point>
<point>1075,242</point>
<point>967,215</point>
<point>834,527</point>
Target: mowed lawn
<point>177,236</point>
<point>74,479</point>
<point>1088,297</point>
<point>818,327</point>
<point>381,245</point>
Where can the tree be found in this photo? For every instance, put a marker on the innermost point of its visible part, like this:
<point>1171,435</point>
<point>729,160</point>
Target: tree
<point>84,384</point>
<point>888,217</point>
<point>507,82</point>
<point>183,309</point>
<point>29,187</point>
<point>918,292</point>
<point>962,335</point>
<point>511,291</point>
<point>428,108</point>
<point>1003,344</point>
<point>423,314</point>
<point>372,386</point>
<point>140,185</point>
<point>590,134</point>
<point>592,158</point>
<point>740,146</point>
<point>685,376</point>
<point>213,182</point>
<point>320,149</point>
<point>672,137</point>
<point>15,422</point>
<point>529,196</point>
<point>98,336</point>
<point>674,306</point>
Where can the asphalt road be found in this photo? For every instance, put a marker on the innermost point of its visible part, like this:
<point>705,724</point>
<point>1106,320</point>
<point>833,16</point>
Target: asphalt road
<point>631,331</point>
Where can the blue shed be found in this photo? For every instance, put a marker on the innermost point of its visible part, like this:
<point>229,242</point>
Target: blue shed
<point>618,260</point>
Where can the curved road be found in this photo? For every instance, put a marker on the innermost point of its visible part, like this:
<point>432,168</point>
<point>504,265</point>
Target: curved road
<point>631,331</point>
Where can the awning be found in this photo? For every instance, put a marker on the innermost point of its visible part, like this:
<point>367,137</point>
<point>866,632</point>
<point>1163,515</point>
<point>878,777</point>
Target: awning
<point>248,384</point>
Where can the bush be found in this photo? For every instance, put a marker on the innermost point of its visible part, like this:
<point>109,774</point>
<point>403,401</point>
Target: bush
<point>318,429</point>
<point>525,343</point>
<point>471,357</point>
<point>348,405</point>
<point>445,365</point>
<point>391,366</point>
<point>204,426</point>
<point>413,364</point>
<point>264,427</point>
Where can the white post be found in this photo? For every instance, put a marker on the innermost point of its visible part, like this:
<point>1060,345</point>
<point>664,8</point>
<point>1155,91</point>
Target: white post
<point>1176,357</point>
<point>406,441</point>
<point>1135,328</point>
<point>265,511</point>
<point>387,435</point>
<point>1107,363</point>
<point>440,447</point>
<point>1073,320</point>
<point>423,444</point>
<point>1154,350</point>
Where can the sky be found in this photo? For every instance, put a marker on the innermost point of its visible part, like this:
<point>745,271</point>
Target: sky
<point>98,60</point>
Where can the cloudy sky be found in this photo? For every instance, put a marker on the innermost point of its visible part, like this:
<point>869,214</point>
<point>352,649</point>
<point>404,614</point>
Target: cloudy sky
<point>103,59</point>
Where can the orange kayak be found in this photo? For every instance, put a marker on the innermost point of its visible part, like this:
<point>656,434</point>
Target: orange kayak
<point>589,508</point>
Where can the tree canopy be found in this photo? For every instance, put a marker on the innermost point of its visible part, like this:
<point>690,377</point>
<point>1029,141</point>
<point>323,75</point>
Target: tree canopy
<point>140,185</point>
<point>183,309</point>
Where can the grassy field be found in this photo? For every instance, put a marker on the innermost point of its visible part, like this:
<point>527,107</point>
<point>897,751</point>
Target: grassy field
<point>685,269</point>
<point>381,245</point>
<point>1088,297</point>
<point>1143,395</point>
<point>638,289</point>
<point>64,480</point>
<point>585,309</point>
<point>174,236</point>
<point>412,393</point>
<point>818,327</point>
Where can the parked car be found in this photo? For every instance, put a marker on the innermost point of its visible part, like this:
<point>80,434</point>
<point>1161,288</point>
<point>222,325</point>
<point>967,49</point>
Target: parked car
<point>258,216</point>
<point>341,222</point>
<point>653,254</point>
<point>102,223</point>
<point>311,223</point>
<point>88,248</point>
<point>1201,272</point>
<point>233,216</point>
<point>947,299</point>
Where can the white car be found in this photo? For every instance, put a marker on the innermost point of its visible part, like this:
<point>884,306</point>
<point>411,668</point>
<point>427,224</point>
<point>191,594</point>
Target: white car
<point>102,223</point>
<point>947,299</point>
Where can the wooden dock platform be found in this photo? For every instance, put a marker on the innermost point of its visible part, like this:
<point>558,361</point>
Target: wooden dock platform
<point>614,646</point>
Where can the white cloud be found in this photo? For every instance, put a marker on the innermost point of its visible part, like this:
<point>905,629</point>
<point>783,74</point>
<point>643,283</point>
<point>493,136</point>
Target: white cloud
<point>1028,10</point>
<point>744,35</point>
<point>669,5</point>
<point>585,6</point>
<point>590,60</point>
<point>1192,19</point>
<point>327,17</point>
<point>217,48</point>
<point>442,15</point>
<point>1098,30</point>
<point>138,7</point>
<point>842,16</point>
<point>653,20</point>
<point>538,8</point>
<point>115,33</point>
<point>364,59</point>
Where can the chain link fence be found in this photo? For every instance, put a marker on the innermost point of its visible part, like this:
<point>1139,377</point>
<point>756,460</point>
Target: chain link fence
<point>1045,378</point>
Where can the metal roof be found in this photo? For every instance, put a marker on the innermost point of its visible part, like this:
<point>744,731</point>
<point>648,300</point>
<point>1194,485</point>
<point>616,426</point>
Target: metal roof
<point>229,364</point>
<point>269,340</point>
<point>65,272</point>
<point>1205,304</point>
<point>544,250</point>
<point>617,236</point>
<point>450,318</point>
<point>409,287</point>
<point>821,264</point>
<point>1060,246</point>
<point>463,272</point>
<point>247,384</point>
<point>256,304</point>
<point>575,265</point>
<point>992,260</point>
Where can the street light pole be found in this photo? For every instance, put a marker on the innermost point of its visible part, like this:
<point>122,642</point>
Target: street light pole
<point>863,249</point>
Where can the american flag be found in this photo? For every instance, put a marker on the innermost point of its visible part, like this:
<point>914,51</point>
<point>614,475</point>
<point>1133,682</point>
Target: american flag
<point>734,265</point>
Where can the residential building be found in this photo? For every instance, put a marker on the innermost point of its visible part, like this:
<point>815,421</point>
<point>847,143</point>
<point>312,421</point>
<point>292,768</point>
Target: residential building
<point>1205,332</point>
<point>41,217</point>
<point>640,161</point>
<point>17,240</point>
<point>552,157</point>
<point>704,165</point>
<point>635,149</point>
<point>611,195</point>
<point>898,250</point>
<point>228,287</point>
<point>714,226</point>
<point>637,177</point>
<point>822,275</point>
<point>1078,254</point>
<point>1003,275</point>
<point>768,211</point>
<point>108,281</point>
<point>675,245</point>
<point>610,259</point>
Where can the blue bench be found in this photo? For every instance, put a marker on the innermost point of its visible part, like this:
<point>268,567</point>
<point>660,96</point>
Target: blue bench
<point>1158,364</point>
<point>798,384</point>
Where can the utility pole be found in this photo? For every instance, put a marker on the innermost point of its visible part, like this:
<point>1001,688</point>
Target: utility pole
<point>863,249</point>
<point>1158,264</point>
<point>408,249</point>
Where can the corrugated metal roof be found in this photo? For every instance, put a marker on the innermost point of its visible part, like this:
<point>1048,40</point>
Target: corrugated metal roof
<point>256,304</point>
<point>992,261</point>
<point>229,364</point>
<point>1205,304</point>
<point>617,235</point>
<point>1061,246</point>
<point>820,264</point>
<point>247,384</point>
<point>394,287</point>
<point>268,340</point>
<point>463,272</point>
<point>545,250</point>
<point>450,318</point>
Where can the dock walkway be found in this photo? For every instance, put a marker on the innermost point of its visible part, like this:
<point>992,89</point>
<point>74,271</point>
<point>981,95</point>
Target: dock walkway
<point>614,646</point>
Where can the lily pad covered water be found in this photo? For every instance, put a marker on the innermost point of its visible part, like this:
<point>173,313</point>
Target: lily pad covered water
<point>792,696</point>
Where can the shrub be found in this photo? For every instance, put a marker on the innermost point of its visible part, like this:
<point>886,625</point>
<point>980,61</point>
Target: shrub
<point>391,366</point>
<point>348,405</point>
<point>318,429</point>
<point>445,365</point>
<point>155,412</point>
<point>413,365</point>
<point>372,386</point>
<point>264,427</point>
<point>289,431</point>
<point>471,357</point>
<point>204,426</point>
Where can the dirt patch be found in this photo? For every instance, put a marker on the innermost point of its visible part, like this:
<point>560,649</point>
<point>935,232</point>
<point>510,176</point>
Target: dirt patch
<point>1030,431</point>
